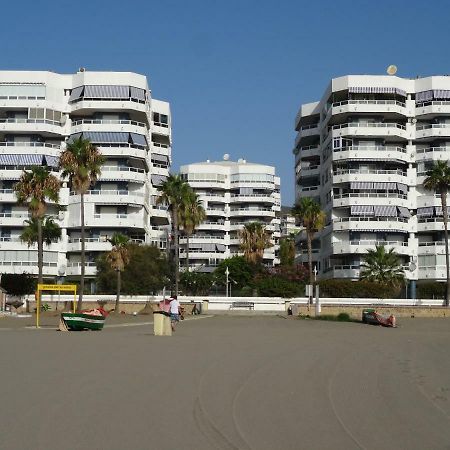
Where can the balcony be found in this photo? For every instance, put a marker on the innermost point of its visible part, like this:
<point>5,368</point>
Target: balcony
<point>372,129</point>
<point>369,106</point>
<point>307,131</point>
<point>433,273</point>
<point>203,238</point>
<point>349,175</point>
<point>361,247</point>
<point>91,244</point>
<point>115,150</point>
<point>432,130</point>
<point>247,198</point>
<point>83,105</point>
<point>32,126</point>
<point>268,212</point>
<point>132,126</point>
<point>433,153</point>
<point>373,152</point>
<point>30,267</point>
<point>74,269</point>
<point>13,219</point>
<point>114,197</point>
<point>432,248</point>
<point>131,174</point>
<point>308,171</point>
<point>343,271</point>
<point>433,108</point>
<point>309,191</point>
<point>372,224</point>
<point>306,152</point>
<point>208,225</point>
<point>430,224</point>
<point>362,198</point>
<point>37,148</point>
<point>160,128</point>
<point>111,221</point>
<point>215,212</point>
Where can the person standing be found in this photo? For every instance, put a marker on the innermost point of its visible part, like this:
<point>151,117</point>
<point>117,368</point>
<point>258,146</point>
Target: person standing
<point>174,311</point>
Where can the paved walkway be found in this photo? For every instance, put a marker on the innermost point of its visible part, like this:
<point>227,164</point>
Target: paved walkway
<point>228,383</point>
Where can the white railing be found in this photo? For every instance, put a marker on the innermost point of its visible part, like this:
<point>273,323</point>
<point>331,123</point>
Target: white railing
<point>29,144</point>
<point>10,239</point>
<point>433,103</point>
<point>378,148</point>
<point>432,125</point>
<point>121,169</point>
<point>157,144</point>
<point>431,244</point>
<point>15,215</point>
<point>432,150</point>
<point>368,171</point>
<point>370,219</point>
<point>6,191</point>
<point>309,127</point>
<point>27,263</point>
<point>161,124</point>
<point>109,122</point>
<point>430,219</point>
<point>370,194</point>
<point>375,242</point>
<point>369,102</point>
<point>309,188</point>
<point>369,125</point>
<point>343,267</point>
<point>110,192</point>
<point>251,195</point>
<point>46,121</point>
<point>251,209</point>
<point>102,239</point>
<point>203,237</point>
<point>78,264</point>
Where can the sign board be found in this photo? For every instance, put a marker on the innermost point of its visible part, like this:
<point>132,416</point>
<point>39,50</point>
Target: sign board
<point>57,287</point>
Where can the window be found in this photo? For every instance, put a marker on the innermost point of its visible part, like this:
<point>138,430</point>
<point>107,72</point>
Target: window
<point>161,120</point>
<point>36,113</point>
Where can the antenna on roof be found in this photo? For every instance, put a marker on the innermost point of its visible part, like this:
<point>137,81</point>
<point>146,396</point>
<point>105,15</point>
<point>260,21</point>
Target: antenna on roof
<point>391,70</point>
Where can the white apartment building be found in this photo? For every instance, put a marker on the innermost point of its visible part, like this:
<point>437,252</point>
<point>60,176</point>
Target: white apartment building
<point>288,223</point>
<point>233,193</point>
<point>363,151</point>
<point>39,113</point>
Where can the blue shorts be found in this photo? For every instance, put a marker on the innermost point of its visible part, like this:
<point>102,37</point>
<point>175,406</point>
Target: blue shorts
<point>174,317</point>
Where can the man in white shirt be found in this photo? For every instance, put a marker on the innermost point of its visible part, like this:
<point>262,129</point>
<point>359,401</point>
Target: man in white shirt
<point>174,311</point>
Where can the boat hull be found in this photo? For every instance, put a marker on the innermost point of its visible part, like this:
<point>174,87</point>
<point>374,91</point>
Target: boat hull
<point>79,321</point>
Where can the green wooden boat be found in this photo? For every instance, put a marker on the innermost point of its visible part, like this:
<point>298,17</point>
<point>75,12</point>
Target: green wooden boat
<point>80,321</point>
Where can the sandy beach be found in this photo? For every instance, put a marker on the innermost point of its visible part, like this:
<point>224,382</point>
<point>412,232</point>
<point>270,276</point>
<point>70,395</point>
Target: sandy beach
<point>226,383</point>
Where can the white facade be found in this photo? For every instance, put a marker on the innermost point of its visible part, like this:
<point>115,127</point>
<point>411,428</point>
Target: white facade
<point>233,194</point>
<point>363,152</point>
<point>39,113</point>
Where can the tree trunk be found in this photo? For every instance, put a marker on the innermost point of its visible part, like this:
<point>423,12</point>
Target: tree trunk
<point>187,252</point>
<point>311,279</point>
<point>40,254</point>
<point>445,216</point>
<point>119,279</point>
<point>176,245</point>
<point>83,255</point>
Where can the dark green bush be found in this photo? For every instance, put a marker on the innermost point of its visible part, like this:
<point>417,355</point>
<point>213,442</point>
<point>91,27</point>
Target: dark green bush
<point>278,287</point>
<point>357,289</point>
<point>431,289</point>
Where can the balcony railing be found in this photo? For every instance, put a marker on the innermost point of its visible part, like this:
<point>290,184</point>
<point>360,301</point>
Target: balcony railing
<point>108,122</point>
<point>370,219</point>
<point>15,215</point>
<point>101,239</point>
<point>371,195</point>
<point>251,209</point>
<point>78,264</point>
<point>420,151</point>
<point>431,244</point>
<point>343,267</point>
<point>6,191</point>
<point>378,148</point>
<point>29,144</point>
<point>369,125</point>
<point>309,188</point>
<point>369,171</point>
<point>46,121</point>
<point>433,103</point>
<point>27,263</point>
<point>122,169</point>
<point>375,242</point>
<point>10,239</point>
<point>309,127</point>
<point>110,192</point>
<point>429,219</point>
<point>369,102</point>
<point>432,125</point>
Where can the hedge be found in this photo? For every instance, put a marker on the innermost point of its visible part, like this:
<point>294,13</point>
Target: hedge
<point>357,289</point>
<point>431,289</point>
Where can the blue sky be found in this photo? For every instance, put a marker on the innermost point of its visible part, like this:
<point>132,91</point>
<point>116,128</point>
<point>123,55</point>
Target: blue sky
<point>235,71</point>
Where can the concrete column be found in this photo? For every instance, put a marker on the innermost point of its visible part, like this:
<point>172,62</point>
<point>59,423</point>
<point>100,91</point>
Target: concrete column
<point>412,289</point>
<point>161,325</point>
<point>205,304</point>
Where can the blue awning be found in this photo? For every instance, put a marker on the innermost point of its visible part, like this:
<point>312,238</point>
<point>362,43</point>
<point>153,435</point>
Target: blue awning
<point>74,137</point>
<point>30,160</point>
<point>385,211</point>
<point>157,180</point>
<point>9,160</point>
<point>106,91</point>
<point>138,139</point>
<point>106,137</point>
<point>136,93</point>
<point>52,161</point>
<point>163,159</point>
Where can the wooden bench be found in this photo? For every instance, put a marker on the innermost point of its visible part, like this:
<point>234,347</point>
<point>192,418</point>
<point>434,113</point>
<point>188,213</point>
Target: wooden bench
<point>249,305</point>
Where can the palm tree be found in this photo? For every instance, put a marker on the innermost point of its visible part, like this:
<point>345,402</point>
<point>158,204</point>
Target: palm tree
<point>312,218</point>
<point>51,231</point>
<point>118,258</point>
<point>382,267</point>
<point>81,163</point>
<point>438,180</point>
<point>254,240</point>
<point>192,214</point>
<point>34,188</point>
<point>173,193</point>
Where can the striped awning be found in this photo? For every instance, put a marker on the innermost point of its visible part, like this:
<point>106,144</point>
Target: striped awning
<point>76,93</point>
<point>376,90</point>
<point>361,185</point>
<point>138,139</point>
<point>30,160</point>
<point>207,247</point>
<point>74,137</point>
<point>220,248</point>
<point>438,211</point>
<point>385,211</point>
<point>428,96</point>
<point>164,159</point>
<point>403,212</point>
<point>106,91</point>
<point>136,93</point>
<point>425,212</point>
<point>361,210</point>
<point>402,188</point>
<point>102,137</point>
<point>9,160</point>
<point>52,161</point>
<point>157,180</point>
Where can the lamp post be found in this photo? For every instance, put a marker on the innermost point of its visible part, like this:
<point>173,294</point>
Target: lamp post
<point>227,273</point>
<point>412,282</point>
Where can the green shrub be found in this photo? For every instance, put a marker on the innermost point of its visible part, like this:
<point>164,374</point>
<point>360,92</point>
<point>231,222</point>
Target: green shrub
<point>357,289</point>
<point>277,287</point>
<point>343,317</point>
<point>431,289</point>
